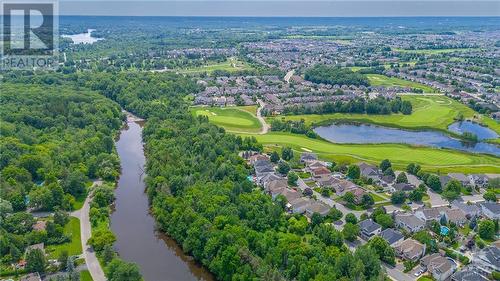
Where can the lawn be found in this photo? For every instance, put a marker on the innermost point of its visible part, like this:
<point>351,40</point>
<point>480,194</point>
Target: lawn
<point>425,278</point>
<point>85,276</point>
<point>233,119</point>
<point>74,247</point>
<point>430,159</point>
<point>429,112</point>
<point>382,80</point>
<point>231,65</point>
<point>377,198</point>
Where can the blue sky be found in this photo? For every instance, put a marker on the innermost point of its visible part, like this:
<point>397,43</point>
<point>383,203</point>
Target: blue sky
<point>325,8</point>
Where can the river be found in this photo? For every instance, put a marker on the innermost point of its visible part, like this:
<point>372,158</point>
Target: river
<point>158,256</point>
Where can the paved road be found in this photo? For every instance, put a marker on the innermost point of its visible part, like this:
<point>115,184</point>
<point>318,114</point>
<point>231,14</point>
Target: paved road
<point>90,257</point>
<point>265,126</point>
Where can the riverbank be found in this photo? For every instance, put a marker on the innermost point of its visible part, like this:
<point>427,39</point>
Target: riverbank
<point>158,256</point>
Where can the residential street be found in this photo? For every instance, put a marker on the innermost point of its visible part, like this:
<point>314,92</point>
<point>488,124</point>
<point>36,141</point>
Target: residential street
<point>85,228</point>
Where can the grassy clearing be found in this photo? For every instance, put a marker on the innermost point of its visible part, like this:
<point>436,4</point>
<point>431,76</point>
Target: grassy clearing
<point>435,51</point>
<point>429,112</point>
<point>231,65</point>
<point>249,108</point>
<point>377,198</point>
<point>74,247</point>
<point>85,275</point>
<point>430,159</point>
<point>382,80</point>
<point>232,119</point>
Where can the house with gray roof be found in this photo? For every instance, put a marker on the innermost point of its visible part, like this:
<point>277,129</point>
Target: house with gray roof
<point>470,273</point>
<point>317,207</point>
<point>428,215</point>
<point>307,157</point>
<point>369,228</point>
<point>298,206</point>
<point>440,267</point>
<point>463,179</point>
<point>488,259</point>
<point>409,222</point>
<point>490,210</point>
<point>391,236</point>
<point>455,216</point>
<point>410,249</point>
<point>470,210</point>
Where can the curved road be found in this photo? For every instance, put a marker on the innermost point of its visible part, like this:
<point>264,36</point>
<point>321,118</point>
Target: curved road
<point>265,126</point>
<point>93,264</point>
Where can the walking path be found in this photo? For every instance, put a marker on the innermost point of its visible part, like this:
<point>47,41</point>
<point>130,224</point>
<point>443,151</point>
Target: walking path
<point>91,260</point>
<point>265,126</point>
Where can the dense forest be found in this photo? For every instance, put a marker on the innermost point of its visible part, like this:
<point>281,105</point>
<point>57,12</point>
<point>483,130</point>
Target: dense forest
<point>195,179</point>
<point>377,105</point>
<point>200,196</point>
<point>335,76</point>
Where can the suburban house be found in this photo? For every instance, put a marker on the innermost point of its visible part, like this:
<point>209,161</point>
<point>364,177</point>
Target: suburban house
<point>470,210</point>
<point>317,207</point>
<point>402,187</point>
<point>392,236</point>
<point>298,206</point>
<point>275,187</point>
<point>369,228</point>
<point>256,157</point>
<point>39,246</point>
<point>409,222</point>
<point>311,166</point>
<point>428,215</point>
<point>308,157</point>
<point>320,172</point>
<point>327,181</point>
<point>490,210</point>
<point>410,249</point>
<point>470,273</point>
<point>444,180</point>
<point>455,216</point>
<point>440,267</point>
<point>369,171</point>
<point>358,194</point>
<point>463,179</point>
<point>479,180</point>
<point>40,225</point>
<point>342,186</point>
<point>290,194</point>
<point>488,259</point>
<point>268,177</point>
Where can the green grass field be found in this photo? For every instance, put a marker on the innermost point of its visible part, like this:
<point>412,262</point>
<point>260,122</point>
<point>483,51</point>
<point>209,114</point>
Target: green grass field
<point>430,159</point>
<point>382,80</point>
<point>231,65</point>
<point>74,247</point>
<point>233,119</point>
<point>429,112</point>
<point>85,276</point>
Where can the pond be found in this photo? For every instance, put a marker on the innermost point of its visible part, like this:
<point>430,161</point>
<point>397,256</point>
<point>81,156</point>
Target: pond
<point>364,133</point>
<point>158,256</point>
<point>83,38</point>
<point>482,133</point>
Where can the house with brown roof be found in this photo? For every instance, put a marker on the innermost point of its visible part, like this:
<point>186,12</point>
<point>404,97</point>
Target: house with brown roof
<point>298,206</point>
<point>317,207</point>
<point>455,216</point>
<point>40,225</point>
<point>320,172</point>
<point>410,249</point>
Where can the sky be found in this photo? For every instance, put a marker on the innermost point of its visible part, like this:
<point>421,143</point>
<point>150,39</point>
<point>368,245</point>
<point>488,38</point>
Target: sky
<point>282,8</point>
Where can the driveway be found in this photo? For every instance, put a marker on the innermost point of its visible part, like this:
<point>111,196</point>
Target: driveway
<point>396,273</point>
<point>88,253</point>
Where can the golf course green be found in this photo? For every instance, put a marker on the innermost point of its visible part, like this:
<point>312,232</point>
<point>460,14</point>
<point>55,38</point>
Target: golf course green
<point>233,119</point>
<point>431,159</point>
<point>430,112</point>
<point>382,80</point>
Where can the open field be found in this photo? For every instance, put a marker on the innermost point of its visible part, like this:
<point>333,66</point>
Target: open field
<point>74,247</point>
<point>232,119</point>
<point>230,65</point>
<point>429,112</point>
<point>401,155</point>
<point>435,51</point>
<point>382,80</point>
